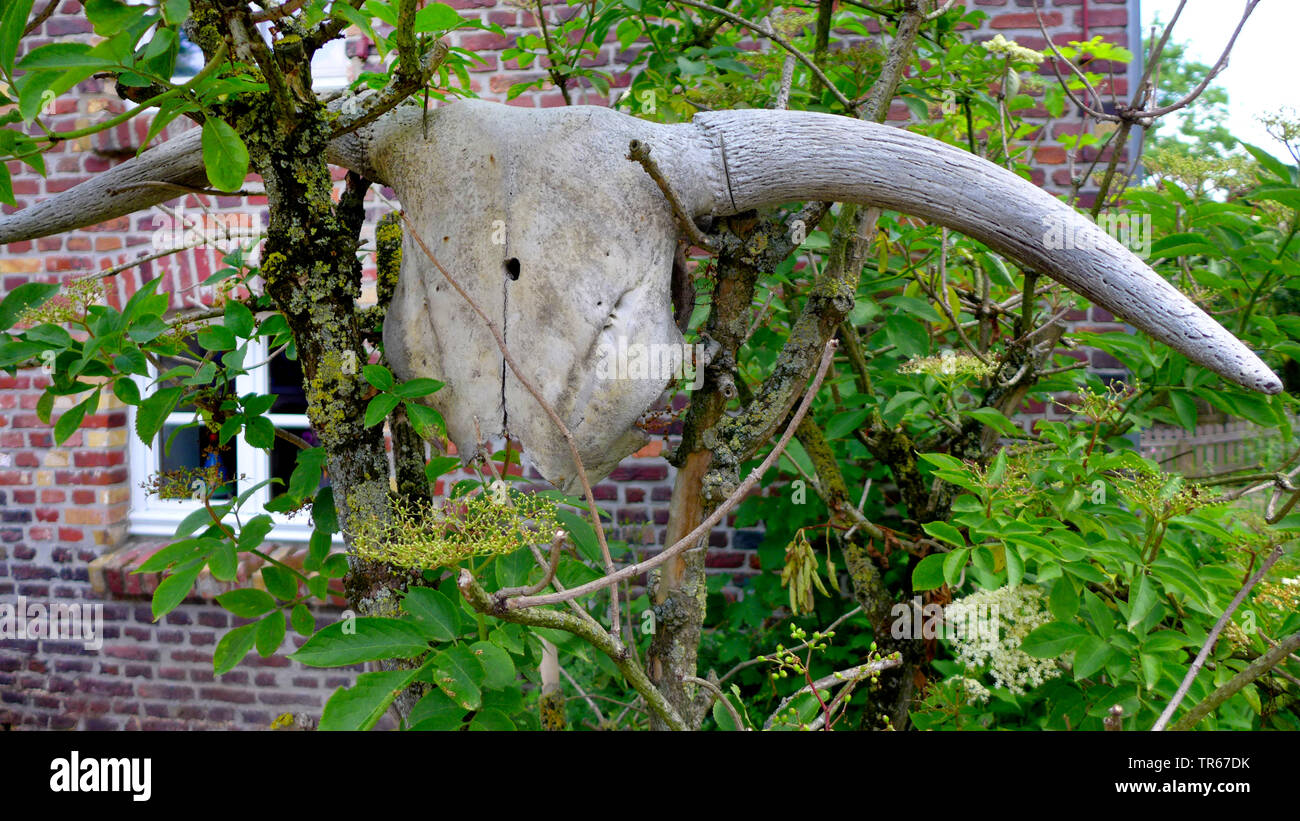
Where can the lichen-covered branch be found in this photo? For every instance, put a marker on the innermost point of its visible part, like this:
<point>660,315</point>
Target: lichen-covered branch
<point>482,601</point>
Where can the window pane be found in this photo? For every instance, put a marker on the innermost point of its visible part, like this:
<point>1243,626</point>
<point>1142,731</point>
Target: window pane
<point>285,376</point>
<point>193,449</point>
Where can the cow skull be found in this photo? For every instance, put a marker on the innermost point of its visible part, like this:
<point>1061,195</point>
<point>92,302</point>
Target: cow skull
<point>568,246</point>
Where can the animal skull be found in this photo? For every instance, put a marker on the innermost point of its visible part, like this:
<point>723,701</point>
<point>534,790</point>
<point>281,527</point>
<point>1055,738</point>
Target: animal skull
<point>568,246</point>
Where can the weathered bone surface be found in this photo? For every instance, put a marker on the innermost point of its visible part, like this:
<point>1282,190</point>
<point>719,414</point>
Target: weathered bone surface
<point>550,195</point>
<point>555,203</point>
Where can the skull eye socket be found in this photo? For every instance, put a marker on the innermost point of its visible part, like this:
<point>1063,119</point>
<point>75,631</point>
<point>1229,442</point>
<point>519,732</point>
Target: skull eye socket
<point>512,268</point>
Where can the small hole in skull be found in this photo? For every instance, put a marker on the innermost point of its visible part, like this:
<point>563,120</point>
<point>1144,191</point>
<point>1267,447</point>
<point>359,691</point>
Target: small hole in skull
<point>512,268</point>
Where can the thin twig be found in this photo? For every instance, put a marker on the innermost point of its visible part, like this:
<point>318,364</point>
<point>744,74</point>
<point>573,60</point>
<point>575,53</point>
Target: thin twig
<point>779,40</point>
<point>639,151</point>
<point>718,696</point>
<point>593,510</point>
<point>40,18</point>
<point>842,677</point>
<point>556,544</point>
<point>690,539</point>
<point>1199,661</point>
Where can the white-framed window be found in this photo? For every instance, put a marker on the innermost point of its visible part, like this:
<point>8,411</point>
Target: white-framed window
<point>241,464</point>
<point>330,66</point>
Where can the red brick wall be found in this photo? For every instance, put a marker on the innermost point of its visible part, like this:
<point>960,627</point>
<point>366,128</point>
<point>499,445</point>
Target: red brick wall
<point>63,508</point>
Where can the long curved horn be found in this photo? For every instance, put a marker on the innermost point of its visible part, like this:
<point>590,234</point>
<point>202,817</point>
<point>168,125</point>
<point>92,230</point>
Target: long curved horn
<point>133,186</point>
<point>122,189</point>
<point>768,157</point>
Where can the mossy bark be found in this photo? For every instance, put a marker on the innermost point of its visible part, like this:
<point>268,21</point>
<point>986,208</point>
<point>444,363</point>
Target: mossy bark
<point>749,247</point>
<point>313,276</point>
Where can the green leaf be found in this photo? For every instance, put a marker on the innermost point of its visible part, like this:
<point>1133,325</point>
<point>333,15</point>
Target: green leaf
<point>845,423</point>
<point>928,574</point>
<point>436,712</point>
<point>1063,601</point>
<point>380,406</point>
<point>175,11</point>
<point>352,641</point>
<point>238,319</point>
<point>359,707</point>
<point>233,647</point>
<point>945,532</point>
<point>173,590</point>
<point>416,388</point>
<point>224,562</point>
<point>582,534</point>
<point>198,518</point>
<point>437,17</point>
<point>1103,618</point>
<point>216,338</point>
<point>439,465</point>
<point>306,476</point>
<point>1278,168</point>
<point>498,667</point>
<point>246,602</point>
<point>270,634</point>
<point>427,422</point>
<point>27,295</point>
<point>323,514</point>
<point>1184,407</point>
<point>303,622</point>
<point>177,553</point>
<point>993,418</point>
<point>110,16</point>
<point>722,716</point>
<point>12,22</point>
<point>433,613</point>
<point>69,422</point>
<point>458,673</point>
<point>1090,656</point>
<point>378,376</point>
<point>336,566</point>
<point>953,564</point>
<point>491,721</point>
<point>224,155</point>
<point>1053,639</point>
<point>1143,602</point>
<point>51,335</point>
<point>280,582</point>
<point>513,568</point>
<point>259,432</point>
<point>62,56</point>
<point>254,533</point>
<point>1015,564</point>
<point>908,334</point>
<point>147,330</point>
<point>153,412</point>
<point>126,390</point>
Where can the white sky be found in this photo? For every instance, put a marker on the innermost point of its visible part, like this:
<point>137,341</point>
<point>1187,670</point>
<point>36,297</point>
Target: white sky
<point>1263,73</point>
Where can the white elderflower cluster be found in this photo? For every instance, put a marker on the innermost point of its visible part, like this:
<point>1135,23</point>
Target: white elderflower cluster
<point>1001,45</point>
<point>948,364</point>
<point>975,690</point>
<point>1004,617</point>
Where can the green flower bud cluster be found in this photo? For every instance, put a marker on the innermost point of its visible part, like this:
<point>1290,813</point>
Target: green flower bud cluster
<point>425,535</point>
